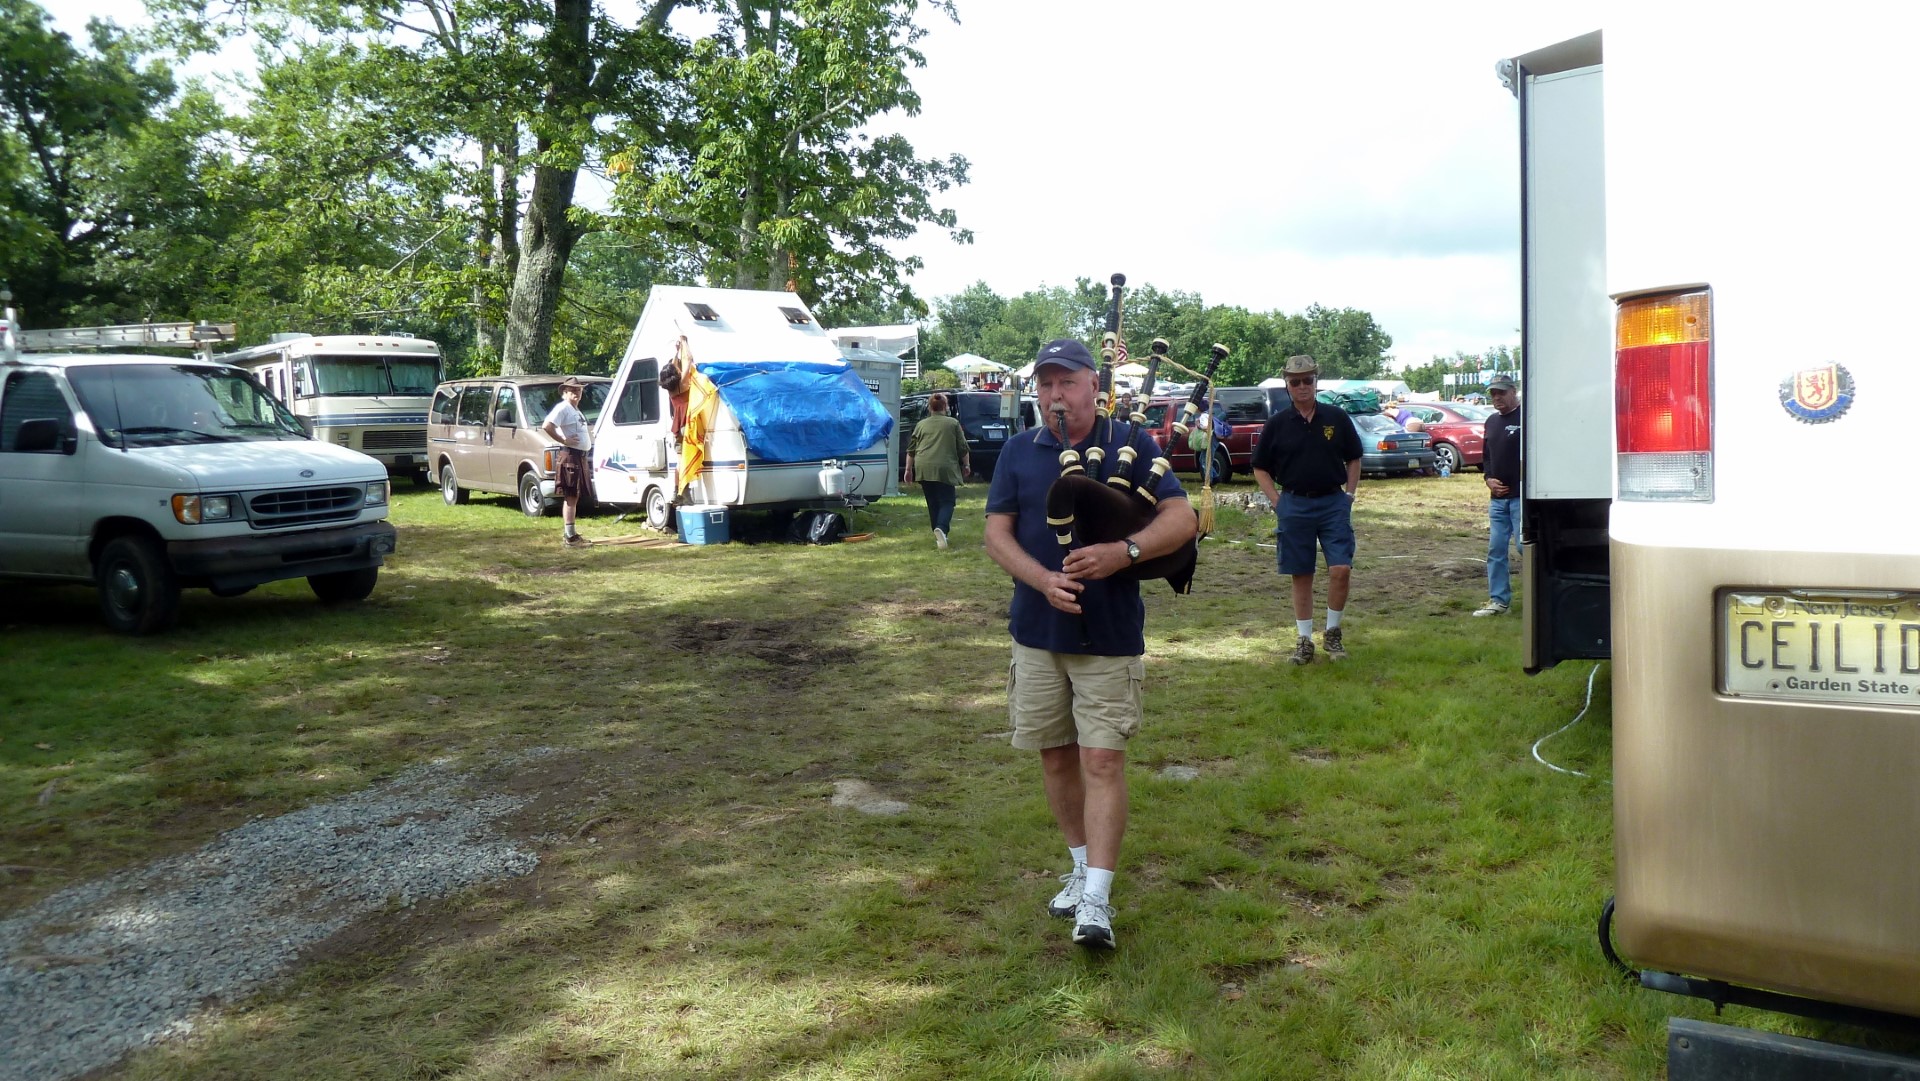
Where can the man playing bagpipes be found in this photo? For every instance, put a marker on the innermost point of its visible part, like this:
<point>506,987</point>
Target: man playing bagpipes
<point>1077,620</point>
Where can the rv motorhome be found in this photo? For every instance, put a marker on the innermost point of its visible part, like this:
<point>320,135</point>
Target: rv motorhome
<point>795,426</point>
<point>1716,246</point>
<point>367,392</point>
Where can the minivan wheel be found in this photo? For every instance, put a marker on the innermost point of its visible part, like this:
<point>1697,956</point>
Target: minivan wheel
<point>450,491</point>
<point>138,591</point>
<point>532,503</point>
<point>1222,465</point>
<point>342,586</point>
<point>1446,457</point>
<point>660,514</point>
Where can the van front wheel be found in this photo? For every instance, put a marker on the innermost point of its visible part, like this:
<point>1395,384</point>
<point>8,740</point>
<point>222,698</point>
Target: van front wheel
<point>138,591</point>
<point>341,587</point>
<point>532,503</point>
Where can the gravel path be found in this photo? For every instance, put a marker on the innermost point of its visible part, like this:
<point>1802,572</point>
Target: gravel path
<point>102,968</point>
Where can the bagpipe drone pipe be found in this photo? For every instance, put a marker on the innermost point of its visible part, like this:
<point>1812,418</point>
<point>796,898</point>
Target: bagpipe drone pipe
<point>1082,508</point>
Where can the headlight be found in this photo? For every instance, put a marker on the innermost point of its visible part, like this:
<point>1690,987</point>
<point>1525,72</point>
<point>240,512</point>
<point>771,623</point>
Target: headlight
<point>194,509</point>
<point>377,494</point>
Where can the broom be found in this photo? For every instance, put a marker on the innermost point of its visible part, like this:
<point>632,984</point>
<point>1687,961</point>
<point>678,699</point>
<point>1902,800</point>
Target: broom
<point>1205,514</point>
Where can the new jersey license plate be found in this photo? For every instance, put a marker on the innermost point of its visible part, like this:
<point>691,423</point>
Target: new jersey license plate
<point>1851,648</point>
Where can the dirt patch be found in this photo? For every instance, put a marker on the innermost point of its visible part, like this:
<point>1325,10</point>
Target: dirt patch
<point>785,644</point>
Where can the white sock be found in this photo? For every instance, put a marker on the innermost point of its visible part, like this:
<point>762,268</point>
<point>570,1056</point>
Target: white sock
<point>1304,626</point>
<point>1079,855</point>
<point>1099,884</point>
<point>1333,617</point>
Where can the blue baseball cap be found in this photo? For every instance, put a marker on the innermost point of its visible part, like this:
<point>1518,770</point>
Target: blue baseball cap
<point>1066,352</point>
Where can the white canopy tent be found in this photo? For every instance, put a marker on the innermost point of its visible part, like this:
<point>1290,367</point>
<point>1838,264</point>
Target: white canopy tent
<point>972,364</point>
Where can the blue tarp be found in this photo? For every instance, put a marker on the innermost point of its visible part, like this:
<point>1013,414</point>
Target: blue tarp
<point>800,410</point>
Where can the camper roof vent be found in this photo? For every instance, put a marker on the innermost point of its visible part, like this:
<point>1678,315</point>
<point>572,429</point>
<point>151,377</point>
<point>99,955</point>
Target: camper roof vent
<point>702,313</point>
<point>796,316</point>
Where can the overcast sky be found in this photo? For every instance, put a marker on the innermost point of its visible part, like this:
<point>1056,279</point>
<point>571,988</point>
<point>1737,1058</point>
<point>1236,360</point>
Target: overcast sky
<point>1266,154</point>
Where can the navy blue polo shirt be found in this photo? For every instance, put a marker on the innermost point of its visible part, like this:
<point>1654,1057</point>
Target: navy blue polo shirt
<point>1115,619</point>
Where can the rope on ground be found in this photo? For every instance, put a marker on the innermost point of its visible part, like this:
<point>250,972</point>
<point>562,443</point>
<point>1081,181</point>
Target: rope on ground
<point>1576,720</point>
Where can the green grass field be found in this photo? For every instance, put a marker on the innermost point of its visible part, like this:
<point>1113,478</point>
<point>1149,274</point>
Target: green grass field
<point>1370,877</point>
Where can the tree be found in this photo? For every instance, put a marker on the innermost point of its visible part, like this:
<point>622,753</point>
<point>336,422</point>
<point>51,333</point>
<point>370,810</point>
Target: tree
<point>69,119</point>
<point>775,182</point>
<point>1430,377</point>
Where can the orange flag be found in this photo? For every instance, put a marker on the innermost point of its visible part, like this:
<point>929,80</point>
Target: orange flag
<point>703,401</point>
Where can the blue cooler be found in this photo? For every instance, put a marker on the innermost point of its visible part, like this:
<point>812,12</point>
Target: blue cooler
<point>703,523</point>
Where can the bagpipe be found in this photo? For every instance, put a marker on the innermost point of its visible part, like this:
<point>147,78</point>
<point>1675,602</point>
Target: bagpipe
<point>1085,509</point>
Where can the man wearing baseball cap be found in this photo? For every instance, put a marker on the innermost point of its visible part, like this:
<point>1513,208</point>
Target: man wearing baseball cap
<point>1311,454</point>
<point>567,426</point>
<point>1501,465</point>
<point>1079,635</point>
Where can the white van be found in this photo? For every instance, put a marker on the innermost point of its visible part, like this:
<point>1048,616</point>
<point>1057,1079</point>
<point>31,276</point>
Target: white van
<point>1718,228</point>
<point>368,392</point>
<point>750,334</point>
<point>144,475</point>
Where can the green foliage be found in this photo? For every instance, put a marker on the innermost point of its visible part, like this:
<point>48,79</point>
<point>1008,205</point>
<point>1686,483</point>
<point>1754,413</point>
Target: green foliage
<point>79,169</point>
<point>777,180</point>
<point>1347,342</point>
<point>1429,377</point>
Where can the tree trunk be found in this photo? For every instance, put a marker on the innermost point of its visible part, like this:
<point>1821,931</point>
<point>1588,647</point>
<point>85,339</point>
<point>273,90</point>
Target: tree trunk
<point>548,237</point>
<point>549,242</point>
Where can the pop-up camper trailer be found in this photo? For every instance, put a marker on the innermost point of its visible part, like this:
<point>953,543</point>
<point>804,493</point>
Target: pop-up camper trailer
<point>792,426</point>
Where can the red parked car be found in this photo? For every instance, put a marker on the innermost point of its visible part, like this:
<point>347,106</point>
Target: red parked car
<point>1246,410</point>
<point>1457,429</point>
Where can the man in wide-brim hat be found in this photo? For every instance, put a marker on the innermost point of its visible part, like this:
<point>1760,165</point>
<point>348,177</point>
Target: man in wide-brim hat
<point>1311,454</point>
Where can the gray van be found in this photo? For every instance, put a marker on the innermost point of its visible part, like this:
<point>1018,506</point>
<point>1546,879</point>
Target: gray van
<point>483,435</point>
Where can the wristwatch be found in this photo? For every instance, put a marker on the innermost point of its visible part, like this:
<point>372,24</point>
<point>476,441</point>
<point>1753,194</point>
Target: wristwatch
<point>1133,551</point>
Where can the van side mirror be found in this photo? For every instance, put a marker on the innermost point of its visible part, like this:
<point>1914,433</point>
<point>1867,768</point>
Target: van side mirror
<point>42,435</point>
<point>306,425</point>
<point>503,418</point>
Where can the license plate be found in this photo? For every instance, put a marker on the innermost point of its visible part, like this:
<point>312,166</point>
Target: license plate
<point>1852,648</point>
<point>994,435</point>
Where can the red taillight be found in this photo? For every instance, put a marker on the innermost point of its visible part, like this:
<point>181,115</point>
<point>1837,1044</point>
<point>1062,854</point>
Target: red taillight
<point>1663,397</point>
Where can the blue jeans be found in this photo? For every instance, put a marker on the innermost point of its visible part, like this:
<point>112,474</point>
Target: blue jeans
<point>940,502</point>
<point>1503,527</point>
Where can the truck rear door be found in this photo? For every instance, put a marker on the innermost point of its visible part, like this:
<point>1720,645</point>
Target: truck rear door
<point>1566,371</point>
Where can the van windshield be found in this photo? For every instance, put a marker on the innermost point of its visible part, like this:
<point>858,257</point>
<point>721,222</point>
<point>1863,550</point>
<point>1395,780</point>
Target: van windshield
<point>153,405</point>
<point>324,374</point>
<point>538,400</point>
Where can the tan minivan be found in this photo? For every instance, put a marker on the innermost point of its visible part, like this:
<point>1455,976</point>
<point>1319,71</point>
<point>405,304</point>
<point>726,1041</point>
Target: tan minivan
<point>484,435</point>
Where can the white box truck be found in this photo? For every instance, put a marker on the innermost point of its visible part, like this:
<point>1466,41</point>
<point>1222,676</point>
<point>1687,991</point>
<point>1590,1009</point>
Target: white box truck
<point>795,427</point>
<point>143,475</point>
<point>1719,235</point>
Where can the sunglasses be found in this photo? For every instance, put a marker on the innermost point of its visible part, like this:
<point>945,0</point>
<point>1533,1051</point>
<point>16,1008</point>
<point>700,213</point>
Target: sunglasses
<point>1307,382</point>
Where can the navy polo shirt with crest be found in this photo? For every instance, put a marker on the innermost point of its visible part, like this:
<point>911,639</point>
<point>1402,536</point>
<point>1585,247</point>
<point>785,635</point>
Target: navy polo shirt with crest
<point>1114,618</point>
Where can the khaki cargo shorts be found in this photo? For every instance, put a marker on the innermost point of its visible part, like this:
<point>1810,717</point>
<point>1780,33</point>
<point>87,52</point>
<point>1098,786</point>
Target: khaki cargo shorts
<point>1055,699</point>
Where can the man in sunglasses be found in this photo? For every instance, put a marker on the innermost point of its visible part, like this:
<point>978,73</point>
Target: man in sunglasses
<point>1312,453</point>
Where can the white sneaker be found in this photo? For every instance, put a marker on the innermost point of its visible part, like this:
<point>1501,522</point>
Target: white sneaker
<point>1093,925</point>
<point>1492,608</point>
<point>1068,898</point>
<point>939,538</point>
